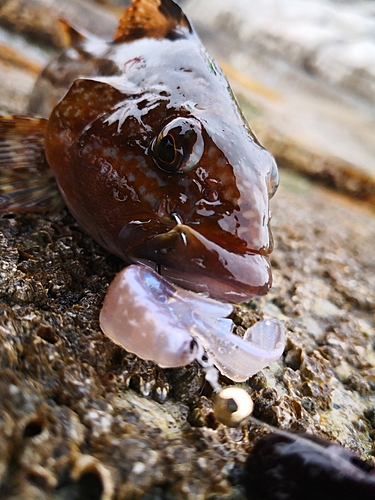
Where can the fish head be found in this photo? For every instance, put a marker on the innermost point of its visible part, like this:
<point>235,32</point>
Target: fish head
<point>214,181</point>
<point>158,164</point>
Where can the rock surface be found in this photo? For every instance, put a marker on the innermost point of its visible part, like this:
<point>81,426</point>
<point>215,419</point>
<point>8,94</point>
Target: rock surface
<point>80,418</point>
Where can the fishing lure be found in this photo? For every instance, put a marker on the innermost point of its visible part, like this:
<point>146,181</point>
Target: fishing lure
<point>181,322</point>
<point>145,142</point>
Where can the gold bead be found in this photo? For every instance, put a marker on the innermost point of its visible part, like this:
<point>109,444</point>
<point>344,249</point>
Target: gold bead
<point>232,406</point>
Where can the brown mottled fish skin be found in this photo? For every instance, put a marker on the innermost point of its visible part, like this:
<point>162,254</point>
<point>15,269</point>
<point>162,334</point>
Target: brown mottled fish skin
<point>154,158</point>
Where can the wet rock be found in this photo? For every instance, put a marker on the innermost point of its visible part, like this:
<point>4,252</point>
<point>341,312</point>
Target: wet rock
<point>82,418</point>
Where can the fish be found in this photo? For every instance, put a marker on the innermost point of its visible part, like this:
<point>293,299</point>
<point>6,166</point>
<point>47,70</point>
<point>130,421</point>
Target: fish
<point>143,140</point>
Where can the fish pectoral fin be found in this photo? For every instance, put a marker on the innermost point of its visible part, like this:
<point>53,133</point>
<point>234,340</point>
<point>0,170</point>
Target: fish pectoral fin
<point>153,19</point>
<point>27,183</point>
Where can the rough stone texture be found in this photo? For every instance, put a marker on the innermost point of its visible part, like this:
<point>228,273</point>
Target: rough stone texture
<point>82,419</point>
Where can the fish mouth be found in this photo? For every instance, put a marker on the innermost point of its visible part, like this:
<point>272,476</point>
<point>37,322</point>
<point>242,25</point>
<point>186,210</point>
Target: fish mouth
<point>190,260</point>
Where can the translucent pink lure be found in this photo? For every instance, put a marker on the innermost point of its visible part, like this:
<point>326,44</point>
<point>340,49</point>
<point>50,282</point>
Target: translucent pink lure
<point>158,321</point>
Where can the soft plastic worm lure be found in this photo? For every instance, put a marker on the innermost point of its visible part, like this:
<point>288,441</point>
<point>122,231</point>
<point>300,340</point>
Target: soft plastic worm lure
<point>159,321</point>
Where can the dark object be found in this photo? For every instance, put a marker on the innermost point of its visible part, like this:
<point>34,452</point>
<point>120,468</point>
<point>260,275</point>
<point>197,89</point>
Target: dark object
<point>284,466</point>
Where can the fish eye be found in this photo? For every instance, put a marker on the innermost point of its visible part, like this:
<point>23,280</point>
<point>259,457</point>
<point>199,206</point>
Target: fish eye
<point>179,146</point>
<point>272,179</point>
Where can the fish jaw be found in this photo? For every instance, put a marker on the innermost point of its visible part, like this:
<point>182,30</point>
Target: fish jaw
<point>190,260</point>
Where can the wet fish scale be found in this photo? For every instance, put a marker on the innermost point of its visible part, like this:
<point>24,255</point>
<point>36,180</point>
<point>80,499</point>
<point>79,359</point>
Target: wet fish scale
<point>153,156</point>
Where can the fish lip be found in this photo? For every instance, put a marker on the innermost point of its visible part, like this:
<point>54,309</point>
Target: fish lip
<point>190,260</point>
<point>227,291</point>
